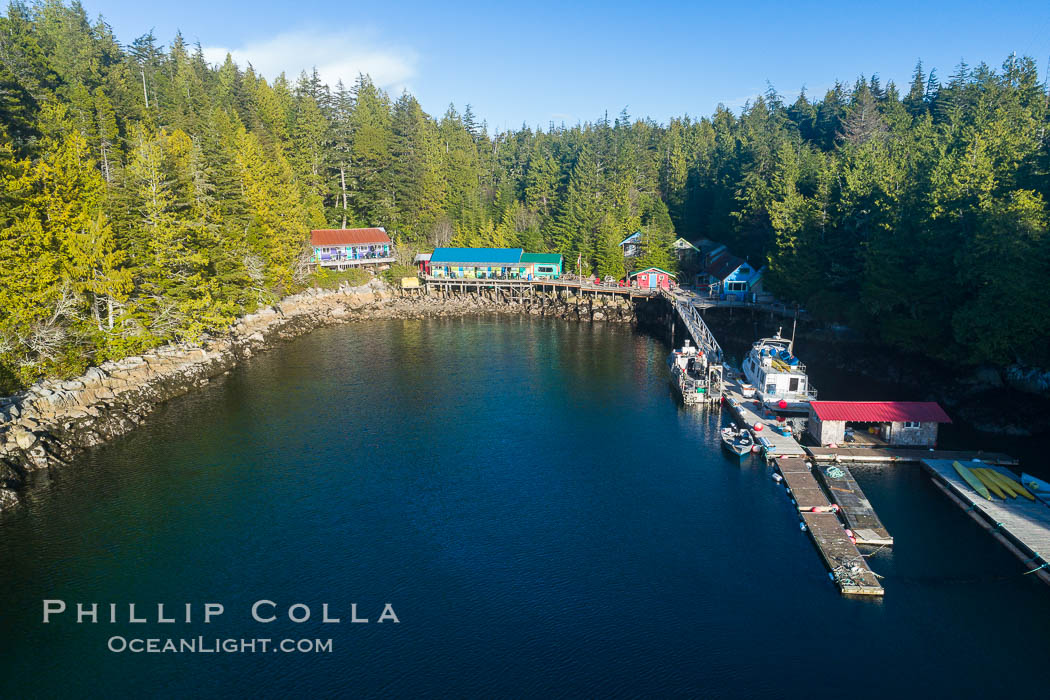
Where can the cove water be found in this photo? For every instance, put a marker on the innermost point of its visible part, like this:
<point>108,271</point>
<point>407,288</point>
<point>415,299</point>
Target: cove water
<point>528,497</point>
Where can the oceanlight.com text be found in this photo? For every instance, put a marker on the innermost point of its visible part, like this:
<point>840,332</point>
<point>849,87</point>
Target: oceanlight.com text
<point>216,645</point>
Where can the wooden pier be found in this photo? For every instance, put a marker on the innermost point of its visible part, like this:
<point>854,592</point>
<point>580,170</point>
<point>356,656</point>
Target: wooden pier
<point>902,454</point>
<point>849,570</point>
<point>804,488</point>
<point>1020,525</point>
<point>853,505</point>
<point>744,409</point>
<point>523,288</point>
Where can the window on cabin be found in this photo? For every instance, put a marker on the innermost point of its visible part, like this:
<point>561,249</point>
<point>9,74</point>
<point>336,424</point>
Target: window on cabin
<point>736,286</point>
<point>745,270</point>
<point>911,424</point>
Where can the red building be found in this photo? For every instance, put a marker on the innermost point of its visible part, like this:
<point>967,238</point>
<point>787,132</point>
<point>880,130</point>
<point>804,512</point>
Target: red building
<point>652,278</point>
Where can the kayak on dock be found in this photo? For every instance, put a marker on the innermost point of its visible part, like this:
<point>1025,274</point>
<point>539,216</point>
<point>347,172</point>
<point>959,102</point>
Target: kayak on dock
<point>972,480</point>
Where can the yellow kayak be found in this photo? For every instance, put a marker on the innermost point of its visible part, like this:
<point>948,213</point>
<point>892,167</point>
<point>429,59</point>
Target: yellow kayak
<point>987,481</point>
<point>1006,481</point>
<point>994,476</point>
<point>972,480</point>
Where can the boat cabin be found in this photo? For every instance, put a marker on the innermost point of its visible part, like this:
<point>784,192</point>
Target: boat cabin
<point>876,423</point>
<point>777,375</point>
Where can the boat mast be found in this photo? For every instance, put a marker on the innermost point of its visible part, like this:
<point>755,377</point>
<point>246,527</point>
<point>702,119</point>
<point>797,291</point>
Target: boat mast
<point>794,324</point>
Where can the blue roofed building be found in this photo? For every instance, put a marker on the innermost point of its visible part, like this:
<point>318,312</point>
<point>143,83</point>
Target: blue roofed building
<point>632,245</point>
<point>478,263</point>
<point>730,277</point>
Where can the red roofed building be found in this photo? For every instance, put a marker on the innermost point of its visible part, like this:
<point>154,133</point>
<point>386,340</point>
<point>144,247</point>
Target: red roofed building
<point>343,248</point>
<point>912,423</point>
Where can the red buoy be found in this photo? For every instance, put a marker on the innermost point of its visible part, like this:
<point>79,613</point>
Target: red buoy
<point>758,427</point>
<point>783,403</point>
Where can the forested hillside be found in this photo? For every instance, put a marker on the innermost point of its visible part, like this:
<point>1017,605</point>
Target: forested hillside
<point>149,196</point>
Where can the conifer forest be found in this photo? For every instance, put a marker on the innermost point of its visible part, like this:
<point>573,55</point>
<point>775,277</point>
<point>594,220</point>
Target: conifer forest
<point>149,196</point>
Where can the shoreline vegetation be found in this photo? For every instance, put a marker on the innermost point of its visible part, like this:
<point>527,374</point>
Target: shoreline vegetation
<point>152,198</point>
<point>51,422</point>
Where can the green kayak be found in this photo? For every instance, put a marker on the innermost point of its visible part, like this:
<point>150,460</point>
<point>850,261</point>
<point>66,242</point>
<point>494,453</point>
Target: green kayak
<point>972,480</point>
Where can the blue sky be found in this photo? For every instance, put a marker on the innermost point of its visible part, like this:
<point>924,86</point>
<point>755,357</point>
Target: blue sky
<point>537,62</point>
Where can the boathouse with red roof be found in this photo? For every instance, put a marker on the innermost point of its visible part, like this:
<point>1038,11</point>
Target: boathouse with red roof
<point>343,248</point>
<point>901,423</point>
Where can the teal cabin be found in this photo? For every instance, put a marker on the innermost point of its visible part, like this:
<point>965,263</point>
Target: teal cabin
<point>540,266</point>
<point>478,263</point>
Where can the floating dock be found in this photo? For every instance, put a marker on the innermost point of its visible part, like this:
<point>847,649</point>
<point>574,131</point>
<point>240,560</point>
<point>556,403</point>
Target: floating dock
<point>850,571</point>
<point>804,488</point>
<point>744,410</point>
<point>854,505</point>
<point>1020,525</point>
<point>903,454</point>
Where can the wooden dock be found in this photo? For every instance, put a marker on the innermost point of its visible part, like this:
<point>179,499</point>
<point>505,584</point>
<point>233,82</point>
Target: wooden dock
<point>853,505</point>
<point>744,410</point>
<point>1020,525</point>
<point>903,454</point>
<point>526,286</point>
<point>850,571</point>
<point>804,488</point>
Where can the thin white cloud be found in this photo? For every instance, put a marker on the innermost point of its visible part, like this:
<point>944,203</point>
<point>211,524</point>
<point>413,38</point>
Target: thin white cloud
<point>336,55</point>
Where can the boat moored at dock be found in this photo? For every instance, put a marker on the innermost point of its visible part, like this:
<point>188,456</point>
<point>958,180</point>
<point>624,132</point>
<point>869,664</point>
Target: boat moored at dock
<point>778,377</point>
<point>737,441</point>
<point>689,373</point>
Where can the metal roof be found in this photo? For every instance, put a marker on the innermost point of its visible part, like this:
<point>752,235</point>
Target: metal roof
<point>724,265</point>
<point>544,258</point>
<point>476,256</point>
<point>638,272</point>
<point>633,237</point>
<point>880,411</point>
<point>421,257</point>
<point>347,236</point>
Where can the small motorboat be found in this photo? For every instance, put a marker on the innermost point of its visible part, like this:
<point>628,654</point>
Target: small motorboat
<point>737,441</point>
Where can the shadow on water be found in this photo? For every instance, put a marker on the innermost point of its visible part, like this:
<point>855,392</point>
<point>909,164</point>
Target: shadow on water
<point>543,515</point>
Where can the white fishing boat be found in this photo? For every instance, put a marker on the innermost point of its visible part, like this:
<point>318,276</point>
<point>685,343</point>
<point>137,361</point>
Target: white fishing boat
<point>779,378</point>
<point>689,373</point>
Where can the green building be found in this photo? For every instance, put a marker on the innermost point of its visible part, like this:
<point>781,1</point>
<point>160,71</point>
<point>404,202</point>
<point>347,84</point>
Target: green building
<point>542,265</point>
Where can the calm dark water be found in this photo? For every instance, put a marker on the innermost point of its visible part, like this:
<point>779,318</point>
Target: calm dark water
<point>542,515</point>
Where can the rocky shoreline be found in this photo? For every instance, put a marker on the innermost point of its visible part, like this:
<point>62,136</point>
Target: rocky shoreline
<point>48,424</point>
